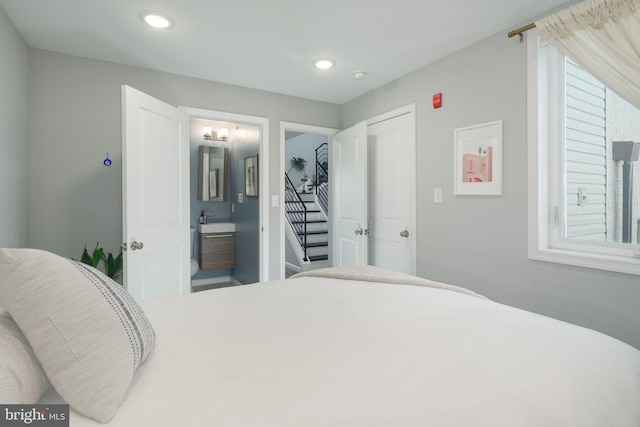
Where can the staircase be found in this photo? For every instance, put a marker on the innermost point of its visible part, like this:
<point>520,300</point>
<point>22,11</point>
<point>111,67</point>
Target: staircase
<point>306,228</point>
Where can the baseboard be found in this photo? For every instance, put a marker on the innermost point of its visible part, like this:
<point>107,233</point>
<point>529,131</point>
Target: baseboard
<point>234,282</point>
<point>293,267</point>
<point>210,281</point>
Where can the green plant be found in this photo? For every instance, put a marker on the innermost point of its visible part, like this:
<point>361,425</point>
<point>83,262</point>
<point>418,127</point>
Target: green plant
<point>112,266</point>
<point>299,164</point>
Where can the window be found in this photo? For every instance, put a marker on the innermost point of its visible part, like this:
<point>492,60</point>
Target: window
<point>584,177</point>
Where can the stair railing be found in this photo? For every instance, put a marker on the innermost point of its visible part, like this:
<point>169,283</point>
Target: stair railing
<point>322,176</point>
<point>296,213</point>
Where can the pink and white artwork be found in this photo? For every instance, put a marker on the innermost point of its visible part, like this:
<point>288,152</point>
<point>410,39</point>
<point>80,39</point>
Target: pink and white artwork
<point>478,167</point>
<point>478,159</point>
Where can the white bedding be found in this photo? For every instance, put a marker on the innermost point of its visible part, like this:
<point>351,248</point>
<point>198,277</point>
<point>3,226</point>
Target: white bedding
<point>329,352</point>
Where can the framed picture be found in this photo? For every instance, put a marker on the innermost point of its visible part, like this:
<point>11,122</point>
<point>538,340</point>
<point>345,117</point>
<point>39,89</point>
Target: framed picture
<point>477,156</point>
<point>251,186</point>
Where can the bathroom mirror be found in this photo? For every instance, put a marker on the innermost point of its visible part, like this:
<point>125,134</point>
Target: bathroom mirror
<point>213,163</point>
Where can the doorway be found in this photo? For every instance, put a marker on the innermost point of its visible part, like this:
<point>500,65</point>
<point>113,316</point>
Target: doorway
<point>156,196</point>
<point>304,189</point>
<point>224,145</point>
<point>247,136</point>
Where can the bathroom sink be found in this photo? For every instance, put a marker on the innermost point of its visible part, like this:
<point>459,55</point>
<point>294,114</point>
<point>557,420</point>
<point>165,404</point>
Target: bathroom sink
<point>217,227</point>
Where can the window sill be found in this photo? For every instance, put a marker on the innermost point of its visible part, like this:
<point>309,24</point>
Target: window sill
<point>619,264</point>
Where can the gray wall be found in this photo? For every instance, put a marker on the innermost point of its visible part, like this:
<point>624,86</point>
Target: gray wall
<point>14,136</point>
<point>481,242</point>
<point>75,121</point>
<point>246,215</point>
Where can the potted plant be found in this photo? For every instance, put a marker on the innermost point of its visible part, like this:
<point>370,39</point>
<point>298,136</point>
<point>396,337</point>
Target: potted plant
<point>112,266</point>
<point>300,164</point>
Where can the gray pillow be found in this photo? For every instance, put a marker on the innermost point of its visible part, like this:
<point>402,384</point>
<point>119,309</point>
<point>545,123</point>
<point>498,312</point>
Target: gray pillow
<point>86,330</point>
<point>22,380</point>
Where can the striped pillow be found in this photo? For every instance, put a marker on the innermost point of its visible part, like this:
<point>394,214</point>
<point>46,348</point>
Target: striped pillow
<point>86,330</point>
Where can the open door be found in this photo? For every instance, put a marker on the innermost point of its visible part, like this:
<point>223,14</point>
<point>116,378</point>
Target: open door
<point>155,196</point>
<point>348,207</point>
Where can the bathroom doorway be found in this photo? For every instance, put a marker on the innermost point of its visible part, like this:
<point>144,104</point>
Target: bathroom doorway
<point>243,137</point>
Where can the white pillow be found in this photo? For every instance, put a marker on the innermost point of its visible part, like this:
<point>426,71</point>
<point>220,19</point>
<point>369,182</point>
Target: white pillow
<point>86,330</point>
<point>22,380</point>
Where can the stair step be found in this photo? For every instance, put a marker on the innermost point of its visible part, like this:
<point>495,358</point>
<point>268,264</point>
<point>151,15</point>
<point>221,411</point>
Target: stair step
<point>312,237</point>
<point>314,232</point>
<point>308,211</point>
<point>313,221</point>
<point>317,251</point>
<point>316,244</point>
<point>309,204</point>
<point>318,258</point>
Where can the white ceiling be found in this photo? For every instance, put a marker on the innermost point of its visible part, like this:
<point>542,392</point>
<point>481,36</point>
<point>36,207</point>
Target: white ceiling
<point>270,44</point>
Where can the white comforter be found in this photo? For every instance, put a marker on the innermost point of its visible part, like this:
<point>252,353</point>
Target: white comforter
<point>329,352</point>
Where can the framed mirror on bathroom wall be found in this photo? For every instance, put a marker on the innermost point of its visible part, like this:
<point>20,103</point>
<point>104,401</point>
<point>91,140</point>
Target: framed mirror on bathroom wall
<point>251,176</point>
<point>213,166</point>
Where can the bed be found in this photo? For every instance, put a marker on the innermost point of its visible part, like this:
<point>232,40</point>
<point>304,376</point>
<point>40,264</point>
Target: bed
<point>368,347</point>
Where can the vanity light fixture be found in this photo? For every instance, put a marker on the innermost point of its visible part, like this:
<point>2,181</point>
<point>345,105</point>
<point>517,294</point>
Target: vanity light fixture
<point>223,134</point>
<point>324,64</point>
<point>208,134</point>
<point>156,21</point>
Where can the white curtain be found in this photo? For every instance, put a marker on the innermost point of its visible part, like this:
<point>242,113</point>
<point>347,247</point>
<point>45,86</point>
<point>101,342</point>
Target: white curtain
<point>603,36</point>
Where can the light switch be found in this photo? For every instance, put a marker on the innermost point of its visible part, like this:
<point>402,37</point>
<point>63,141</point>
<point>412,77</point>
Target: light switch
<point>437,195</point>
<point>275,201</point>
<point>240,197</point>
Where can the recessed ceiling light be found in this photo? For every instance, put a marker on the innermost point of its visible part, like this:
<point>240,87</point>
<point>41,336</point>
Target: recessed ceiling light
<point>323,64</point>
<point>157,21</point>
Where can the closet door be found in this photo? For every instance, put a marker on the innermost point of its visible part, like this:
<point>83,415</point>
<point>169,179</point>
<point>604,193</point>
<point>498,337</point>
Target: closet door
<point>392,193</point>
<point>348,192</point>
<point>155,181</point>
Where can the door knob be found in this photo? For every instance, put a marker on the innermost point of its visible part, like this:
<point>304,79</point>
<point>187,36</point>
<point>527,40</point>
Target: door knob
<point>123,246</point>
<point>404,233</point>
<point>359,231</point>
<point>136,245</point>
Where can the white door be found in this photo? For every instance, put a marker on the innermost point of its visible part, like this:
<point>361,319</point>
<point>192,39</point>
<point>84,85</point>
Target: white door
<point>348,192</point>
<point>155,187</point>
<point>392,158</point>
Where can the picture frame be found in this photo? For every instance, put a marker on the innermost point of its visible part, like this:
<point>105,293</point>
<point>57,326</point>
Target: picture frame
<point>251,176</point>
<point>477,160</point>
